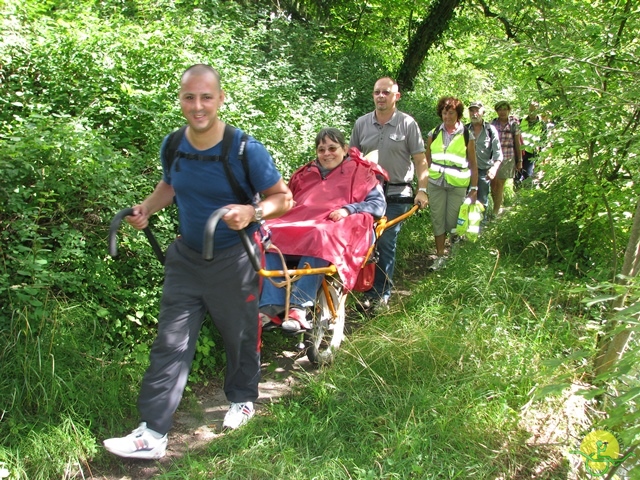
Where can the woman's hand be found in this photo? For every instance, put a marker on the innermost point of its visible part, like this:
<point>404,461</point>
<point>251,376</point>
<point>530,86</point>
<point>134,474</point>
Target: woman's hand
<point>339,214</point>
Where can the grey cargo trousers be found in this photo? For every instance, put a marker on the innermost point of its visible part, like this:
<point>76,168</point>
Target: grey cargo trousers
<point>228,288</point>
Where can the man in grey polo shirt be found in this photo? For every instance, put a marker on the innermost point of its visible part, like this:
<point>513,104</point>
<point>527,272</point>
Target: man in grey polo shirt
<point>488,150</point>
<point>395,139</point>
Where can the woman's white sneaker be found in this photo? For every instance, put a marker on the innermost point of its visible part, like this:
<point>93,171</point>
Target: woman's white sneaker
<point>439,263</point>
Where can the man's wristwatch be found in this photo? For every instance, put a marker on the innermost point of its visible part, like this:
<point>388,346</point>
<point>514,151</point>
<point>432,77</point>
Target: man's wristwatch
<point>473,188</point>
<point>257,217</point>
<point>423,190</point>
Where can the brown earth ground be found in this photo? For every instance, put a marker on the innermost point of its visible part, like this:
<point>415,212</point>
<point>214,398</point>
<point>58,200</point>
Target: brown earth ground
<point>198,421</point>
<point>555,426</point>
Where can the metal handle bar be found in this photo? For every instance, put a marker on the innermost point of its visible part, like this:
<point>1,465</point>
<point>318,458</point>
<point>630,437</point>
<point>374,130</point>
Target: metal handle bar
<point>383,224</point>
<point>113,230</point>
<point>209,230</point>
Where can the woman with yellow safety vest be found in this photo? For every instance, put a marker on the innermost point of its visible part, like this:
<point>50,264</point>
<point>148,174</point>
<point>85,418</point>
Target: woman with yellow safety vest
<point>451,155</point>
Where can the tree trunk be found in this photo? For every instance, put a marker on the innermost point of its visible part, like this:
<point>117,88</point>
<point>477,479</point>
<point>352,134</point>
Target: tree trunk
<point>612,350</point>
<point>427,33</point>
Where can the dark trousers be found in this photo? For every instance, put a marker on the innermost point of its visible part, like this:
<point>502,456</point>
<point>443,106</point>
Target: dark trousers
<point>484,187</point>
<point>528,163</point>
<point>228,288</point>
<point>386,247</point>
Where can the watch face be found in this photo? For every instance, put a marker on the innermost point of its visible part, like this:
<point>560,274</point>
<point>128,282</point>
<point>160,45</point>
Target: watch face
<point>258,215</point>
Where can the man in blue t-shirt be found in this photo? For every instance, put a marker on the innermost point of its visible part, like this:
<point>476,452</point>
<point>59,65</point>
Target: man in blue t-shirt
<point>227,287</point>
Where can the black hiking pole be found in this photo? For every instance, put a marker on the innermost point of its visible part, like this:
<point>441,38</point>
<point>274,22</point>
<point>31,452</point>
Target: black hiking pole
<point>113,230</point>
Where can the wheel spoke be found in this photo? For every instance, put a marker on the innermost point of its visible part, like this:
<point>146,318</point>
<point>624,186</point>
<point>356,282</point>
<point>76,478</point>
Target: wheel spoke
<point>327,332</point>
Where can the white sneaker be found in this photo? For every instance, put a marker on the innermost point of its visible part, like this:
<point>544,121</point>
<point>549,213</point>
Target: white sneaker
<point>238,415</point>
<point>296,321</point>
<point>141,443</point>
<point>439,263</point>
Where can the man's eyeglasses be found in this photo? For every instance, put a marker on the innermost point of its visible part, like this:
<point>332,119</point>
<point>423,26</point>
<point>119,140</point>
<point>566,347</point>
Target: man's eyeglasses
<point>330,149</point>
<point>384,93</point>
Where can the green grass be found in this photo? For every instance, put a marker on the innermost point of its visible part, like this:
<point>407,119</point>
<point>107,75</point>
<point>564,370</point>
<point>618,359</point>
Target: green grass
<point>57,392</point>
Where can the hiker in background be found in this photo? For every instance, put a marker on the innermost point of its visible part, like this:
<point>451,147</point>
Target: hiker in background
<point>550,125</point>
<point>227,287</point>
<point>509,134</point>
<point>395,139</point>
<point>488,150</point>
<point>534,137</point>
<point>337,197</point>
<point>451,155</point>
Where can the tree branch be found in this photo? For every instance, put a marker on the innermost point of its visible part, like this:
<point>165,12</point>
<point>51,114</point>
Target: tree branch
<point>427,34</point>
<point>508,28</point>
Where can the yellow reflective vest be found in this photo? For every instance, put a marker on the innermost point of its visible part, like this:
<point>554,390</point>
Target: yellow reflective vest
<point>450,161</point>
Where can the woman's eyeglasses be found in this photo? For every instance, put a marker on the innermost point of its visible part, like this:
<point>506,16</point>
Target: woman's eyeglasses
<point>323,150</point>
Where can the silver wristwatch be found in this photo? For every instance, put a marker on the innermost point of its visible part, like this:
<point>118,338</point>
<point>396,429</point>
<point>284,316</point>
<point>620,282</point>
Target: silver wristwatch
<point>257,217</point>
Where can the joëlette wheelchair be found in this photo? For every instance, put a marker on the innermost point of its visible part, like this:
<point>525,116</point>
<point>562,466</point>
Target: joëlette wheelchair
<point>328,314</point>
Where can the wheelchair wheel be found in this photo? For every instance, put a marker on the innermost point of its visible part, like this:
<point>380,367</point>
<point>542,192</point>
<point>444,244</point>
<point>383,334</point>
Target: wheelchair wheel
<point>327,331</point>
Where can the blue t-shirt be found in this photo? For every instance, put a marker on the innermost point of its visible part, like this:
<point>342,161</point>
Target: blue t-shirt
<point>201,187</point>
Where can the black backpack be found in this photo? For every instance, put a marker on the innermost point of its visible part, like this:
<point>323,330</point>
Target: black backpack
<point>172,155</point>
<point>488,128</point>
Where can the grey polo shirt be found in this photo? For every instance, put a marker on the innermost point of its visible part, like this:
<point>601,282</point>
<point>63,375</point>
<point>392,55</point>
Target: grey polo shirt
<point>396,141</point>
<point>488,150</point>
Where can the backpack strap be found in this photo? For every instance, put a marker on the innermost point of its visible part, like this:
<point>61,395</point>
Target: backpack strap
<point>171,148</point>
<point>171,155</point>
<point>489,129</point>
<point>227,140</point>
<point>435,132</point>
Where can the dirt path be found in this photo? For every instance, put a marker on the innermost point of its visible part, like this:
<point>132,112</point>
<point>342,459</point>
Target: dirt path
<point>198,421</point>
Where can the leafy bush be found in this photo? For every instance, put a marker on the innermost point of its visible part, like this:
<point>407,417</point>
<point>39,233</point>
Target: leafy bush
<point>568,221</point>
<point>63,184</point>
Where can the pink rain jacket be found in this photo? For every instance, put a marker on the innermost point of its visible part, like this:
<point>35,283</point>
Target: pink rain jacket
<point>306,229</point>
